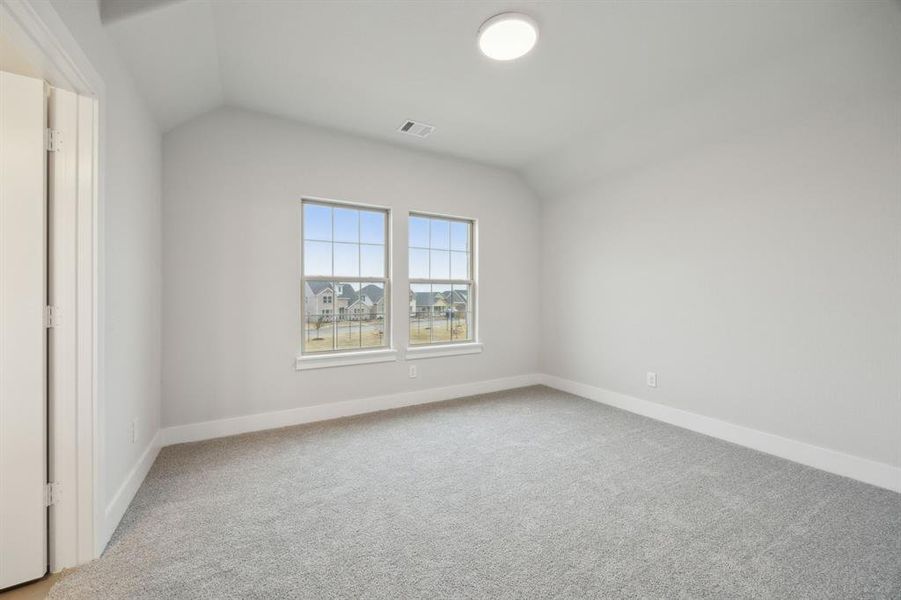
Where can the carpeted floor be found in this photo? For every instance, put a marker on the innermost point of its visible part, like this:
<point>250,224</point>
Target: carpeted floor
<point>529,493</point>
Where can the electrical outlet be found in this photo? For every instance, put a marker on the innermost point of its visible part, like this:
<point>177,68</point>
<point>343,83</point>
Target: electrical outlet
<point>412,371</point>
<point>652,379</point>
<point>134,431</point>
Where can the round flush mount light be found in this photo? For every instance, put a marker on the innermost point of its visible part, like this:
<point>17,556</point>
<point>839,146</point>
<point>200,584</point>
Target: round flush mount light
<point>508,36</point>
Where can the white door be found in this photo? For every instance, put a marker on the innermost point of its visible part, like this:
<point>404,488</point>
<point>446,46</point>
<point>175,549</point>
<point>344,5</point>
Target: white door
<point>23,348</point>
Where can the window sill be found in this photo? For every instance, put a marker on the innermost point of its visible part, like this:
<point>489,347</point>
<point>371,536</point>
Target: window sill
<point>324,361</point>
<point>417,352</point>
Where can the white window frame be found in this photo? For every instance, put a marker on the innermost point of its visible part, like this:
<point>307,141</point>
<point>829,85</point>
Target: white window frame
<point>449,347</point>
<point>346,356</point>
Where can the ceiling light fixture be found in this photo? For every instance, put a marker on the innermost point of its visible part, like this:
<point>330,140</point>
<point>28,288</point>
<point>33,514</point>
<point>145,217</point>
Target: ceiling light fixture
<point>508,36</point>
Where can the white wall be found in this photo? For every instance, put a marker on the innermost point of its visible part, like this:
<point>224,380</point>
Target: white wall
<point>758,271</point>
<point>232,184</point>
<point>131,260</point>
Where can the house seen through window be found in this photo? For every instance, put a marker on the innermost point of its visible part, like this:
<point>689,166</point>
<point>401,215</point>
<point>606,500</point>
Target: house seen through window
<point>442,299</point>
<point>344,277</point>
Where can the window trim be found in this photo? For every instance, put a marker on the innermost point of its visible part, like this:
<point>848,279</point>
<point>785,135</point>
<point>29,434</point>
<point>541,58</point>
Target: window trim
<point>446,347</point>
<point>442,349</point>
<point>324,360</point>
<point>387,352</point>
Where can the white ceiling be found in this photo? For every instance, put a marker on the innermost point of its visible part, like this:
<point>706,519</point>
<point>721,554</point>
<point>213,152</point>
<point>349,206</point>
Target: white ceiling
<point>364,67</point>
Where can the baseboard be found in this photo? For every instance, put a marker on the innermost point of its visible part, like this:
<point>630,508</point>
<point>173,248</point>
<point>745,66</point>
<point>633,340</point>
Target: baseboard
<point>194,432</point>
<point>862,469</point>
<point>126,492</point>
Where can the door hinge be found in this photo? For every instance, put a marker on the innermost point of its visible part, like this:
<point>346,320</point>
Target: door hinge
<point>51,316</point>
<point>54,140</point>
<point>51,494</point>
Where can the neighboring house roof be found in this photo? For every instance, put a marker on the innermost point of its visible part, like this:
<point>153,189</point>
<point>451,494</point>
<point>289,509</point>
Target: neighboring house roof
<point>373,292</point>
<point>360,304</point>
<point>432,298</point>
<point>315,287</point>
<point>347,292</point>
<point>424,298</point>
<point>459,296</point>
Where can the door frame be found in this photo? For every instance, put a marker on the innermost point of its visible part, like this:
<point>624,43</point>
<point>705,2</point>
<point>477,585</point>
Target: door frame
<point>43,35</point>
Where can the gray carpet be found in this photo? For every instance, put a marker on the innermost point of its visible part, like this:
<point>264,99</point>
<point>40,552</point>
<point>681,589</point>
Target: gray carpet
<point>530,493</point>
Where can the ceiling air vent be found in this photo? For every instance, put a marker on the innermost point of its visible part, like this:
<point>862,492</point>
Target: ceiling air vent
<point>416,129</point>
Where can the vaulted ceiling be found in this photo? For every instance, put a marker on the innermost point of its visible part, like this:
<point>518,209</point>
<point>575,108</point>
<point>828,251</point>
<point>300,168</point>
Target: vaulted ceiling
<point>606,78</point>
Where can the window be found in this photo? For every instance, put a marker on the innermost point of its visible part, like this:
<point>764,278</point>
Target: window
<point>442,286</point>
<point>344,277</point>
